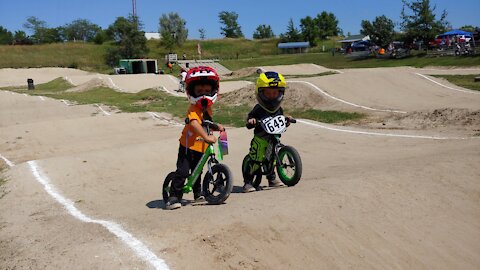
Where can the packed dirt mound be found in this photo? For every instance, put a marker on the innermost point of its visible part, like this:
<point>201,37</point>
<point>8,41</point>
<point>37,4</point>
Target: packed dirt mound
<point>297,96</point>
<point>93,83</point>
<point>244,72</point>
<point>450,119</point>
<point>438,118</point>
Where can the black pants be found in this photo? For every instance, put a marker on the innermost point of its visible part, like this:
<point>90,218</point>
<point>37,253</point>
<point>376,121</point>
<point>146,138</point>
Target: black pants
<point>186,162</point>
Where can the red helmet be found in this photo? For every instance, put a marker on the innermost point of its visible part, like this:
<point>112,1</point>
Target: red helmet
<point>202,75</point>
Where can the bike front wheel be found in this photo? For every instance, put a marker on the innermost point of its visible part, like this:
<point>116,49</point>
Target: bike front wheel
<point>289,167</point>
<point>218,185</point>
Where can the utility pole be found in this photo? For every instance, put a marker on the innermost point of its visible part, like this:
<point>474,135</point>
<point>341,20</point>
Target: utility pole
<point>134,8</point>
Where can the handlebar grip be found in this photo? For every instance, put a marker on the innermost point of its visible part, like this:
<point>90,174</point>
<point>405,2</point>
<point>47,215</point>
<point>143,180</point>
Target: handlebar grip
<point>210,124</point>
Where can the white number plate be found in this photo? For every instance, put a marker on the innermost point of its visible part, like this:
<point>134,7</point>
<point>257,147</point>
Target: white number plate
<point>275,125</point>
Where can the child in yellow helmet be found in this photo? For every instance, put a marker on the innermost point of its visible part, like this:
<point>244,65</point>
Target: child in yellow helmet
<point>270,89</point>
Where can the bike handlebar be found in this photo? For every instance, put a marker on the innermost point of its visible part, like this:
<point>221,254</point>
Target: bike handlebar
<point>210,124</point>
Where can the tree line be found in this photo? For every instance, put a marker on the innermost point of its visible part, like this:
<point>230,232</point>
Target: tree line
<point>418,23</point>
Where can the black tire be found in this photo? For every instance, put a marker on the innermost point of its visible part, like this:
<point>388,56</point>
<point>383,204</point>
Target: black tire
<point>166,186</point>
<point>254,179</point>
<point>293,162</point>
<point>217,187</point>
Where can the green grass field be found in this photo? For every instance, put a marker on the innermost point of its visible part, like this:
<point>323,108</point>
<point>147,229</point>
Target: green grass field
<point>90,57</point>
<point>465,81</point>
<point>158,101</point>
<point>340,61</point>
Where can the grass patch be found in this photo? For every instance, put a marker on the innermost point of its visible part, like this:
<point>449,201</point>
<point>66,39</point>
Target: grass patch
<point>325,116</point>
<point>159,101</point>
<point>465,81</point>
<point>340,61</point>
<point>85,56</point>
<point>59,84</point>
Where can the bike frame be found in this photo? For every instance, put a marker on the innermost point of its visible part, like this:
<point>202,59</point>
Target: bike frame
<point>209,156</point>
<point>273,158</point>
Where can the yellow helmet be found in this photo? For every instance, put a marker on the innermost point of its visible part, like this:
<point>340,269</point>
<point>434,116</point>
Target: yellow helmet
<point>270,79</point>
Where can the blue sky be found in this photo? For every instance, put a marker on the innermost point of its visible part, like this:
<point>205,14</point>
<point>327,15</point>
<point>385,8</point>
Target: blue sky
<point>204,14</point>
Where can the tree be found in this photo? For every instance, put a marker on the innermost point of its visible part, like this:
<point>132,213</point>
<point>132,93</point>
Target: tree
<point>100,37</point>
<point>37,27</point>
<point>21,38</point>
<point>309,29</point>
<point>6,37</point>
<point>202,33</point>
<point>81,29</point>
<point>327,25</point>
<point>468,28</point>
<point>420,22</point>
<point>263,31</point>
<point>172,30</point>
<point>381,31</point>
<point>292,33</point>
<point>41,32</point>
<point>230,28</point>
<point>130,40</point>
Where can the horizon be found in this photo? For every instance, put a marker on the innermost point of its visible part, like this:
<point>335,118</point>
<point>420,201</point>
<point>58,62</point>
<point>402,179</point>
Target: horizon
<point>57,13</point>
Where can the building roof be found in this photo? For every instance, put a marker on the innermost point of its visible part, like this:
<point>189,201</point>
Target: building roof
<point>152,35</point>
<point>293,45</point>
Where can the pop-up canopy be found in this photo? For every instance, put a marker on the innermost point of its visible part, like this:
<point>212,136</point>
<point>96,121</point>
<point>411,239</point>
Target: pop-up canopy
<point>456,33</point>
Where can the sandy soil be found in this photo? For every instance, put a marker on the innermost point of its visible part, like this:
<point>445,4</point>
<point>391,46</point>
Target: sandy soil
<point>364,202</point>
<point>16,77</point>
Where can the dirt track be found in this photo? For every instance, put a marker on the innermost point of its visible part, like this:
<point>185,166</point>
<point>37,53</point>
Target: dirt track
<point>364,202</point>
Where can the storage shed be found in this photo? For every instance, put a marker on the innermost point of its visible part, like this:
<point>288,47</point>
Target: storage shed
<point>294,47</point>
<point>135,66</point>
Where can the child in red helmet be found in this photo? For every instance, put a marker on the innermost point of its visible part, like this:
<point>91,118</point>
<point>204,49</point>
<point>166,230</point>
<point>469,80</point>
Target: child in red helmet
<point>202,86</point>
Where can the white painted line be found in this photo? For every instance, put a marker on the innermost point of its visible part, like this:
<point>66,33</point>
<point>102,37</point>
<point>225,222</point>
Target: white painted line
<point>175,93</point>
<point>113,84</point>
<point>156,116</point>
<point>68,80</point>
<point>133,243</point>
<point>9,163</point>
<point>175,80</point>
<point>41,98</point>
<point>66,102</point>
<point>446,86</point>
<point>344,101</point>
<point>315,124</point>
<point>104,112</point>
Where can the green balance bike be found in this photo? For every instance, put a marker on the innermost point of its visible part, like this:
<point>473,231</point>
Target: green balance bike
<point>284,158</point>
<point>217,182</point>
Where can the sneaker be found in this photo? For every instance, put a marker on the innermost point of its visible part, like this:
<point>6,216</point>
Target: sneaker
<point>173,203</point>
<point>248,188</point>
<point>275,183</point>
<point>199,198</point>
<point>271,177</point>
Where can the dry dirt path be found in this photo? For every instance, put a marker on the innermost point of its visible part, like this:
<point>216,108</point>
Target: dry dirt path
<point>364,202</point>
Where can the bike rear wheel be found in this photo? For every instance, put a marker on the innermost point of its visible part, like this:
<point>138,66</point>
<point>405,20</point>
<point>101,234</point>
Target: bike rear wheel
<point>218,185</point>
<point>254,179</point>
<point>166,186</point>
<point>289,168</point>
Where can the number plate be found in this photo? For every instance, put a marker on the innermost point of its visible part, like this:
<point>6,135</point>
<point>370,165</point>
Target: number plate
<point>275,125</point>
